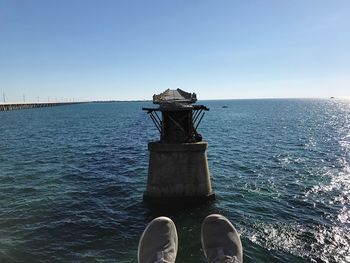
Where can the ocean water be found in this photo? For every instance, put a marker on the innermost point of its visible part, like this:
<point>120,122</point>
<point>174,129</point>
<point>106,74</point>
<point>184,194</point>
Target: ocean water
<point>72,179</point>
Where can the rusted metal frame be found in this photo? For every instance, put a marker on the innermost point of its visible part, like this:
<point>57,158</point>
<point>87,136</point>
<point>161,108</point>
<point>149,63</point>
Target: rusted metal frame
<point>183,117</point>
<point>176,123</point>
<point>156,118</point>
<point>194,114</point>
<point>150,109</point>
<point>193,130</point>
<point>155,121</point>
<point>194,119</point>
<point>199,121</point>
<point>198,107</point>
<point>160,125</point>
<point>197,115</point>
<point>160,121</point>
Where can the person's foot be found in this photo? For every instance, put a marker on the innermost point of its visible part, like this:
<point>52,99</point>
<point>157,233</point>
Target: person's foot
<point>220,240</point>
<point>158,243</point>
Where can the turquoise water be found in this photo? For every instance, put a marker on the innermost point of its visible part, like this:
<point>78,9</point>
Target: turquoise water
<point>72,179</point>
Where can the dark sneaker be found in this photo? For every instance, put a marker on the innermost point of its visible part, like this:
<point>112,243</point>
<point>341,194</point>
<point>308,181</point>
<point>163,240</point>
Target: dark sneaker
<point>220,240</point>
<point>158,243</point>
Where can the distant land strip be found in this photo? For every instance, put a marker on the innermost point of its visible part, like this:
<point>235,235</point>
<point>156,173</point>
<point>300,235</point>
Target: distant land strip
<point>21,106</point>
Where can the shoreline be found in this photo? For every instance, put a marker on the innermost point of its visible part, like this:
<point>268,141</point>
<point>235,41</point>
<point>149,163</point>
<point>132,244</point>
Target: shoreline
<point>21,106</point>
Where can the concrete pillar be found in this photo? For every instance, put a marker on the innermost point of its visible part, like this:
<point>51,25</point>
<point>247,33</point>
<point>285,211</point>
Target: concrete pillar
<point>178,171</point>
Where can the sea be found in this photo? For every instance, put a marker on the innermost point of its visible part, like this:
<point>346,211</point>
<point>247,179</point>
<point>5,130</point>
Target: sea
<point>72,180</point>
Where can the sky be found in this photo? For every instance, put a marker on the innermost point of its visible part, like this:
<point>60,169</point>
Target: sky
<point>130,50</point>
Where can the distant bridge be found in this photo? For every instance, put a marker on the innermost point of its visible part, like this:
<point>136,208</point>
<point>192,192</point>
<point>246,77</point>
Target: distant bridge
<point>20,106</point>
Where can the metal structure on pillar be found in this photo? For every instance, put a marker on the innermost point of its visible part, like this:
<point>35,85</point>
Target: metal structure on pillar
<point>178,166</point>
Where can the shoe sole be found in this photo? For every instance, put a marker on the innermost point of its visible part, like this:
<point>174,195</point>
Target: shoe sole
<point>161,218</point>
<point>214,216</point>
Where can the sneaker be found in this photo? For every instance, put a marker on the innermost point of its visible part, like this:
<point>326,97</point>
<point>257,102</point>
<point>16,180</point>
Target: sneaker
<point>220,240</point>
<point>158,243</point>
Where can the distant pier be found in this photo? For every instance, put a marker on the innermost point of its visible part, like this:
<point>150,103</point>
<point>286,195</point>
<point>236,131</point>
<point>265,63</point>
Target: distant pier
<point>21,106</point>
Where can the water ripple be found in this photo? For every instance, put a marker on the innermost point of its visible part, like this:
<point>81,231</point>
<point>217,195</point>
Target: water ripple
<point>72,180</point>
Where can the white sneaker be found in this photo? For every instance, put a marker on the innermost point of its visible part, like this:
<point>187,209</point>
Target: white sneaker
<point>158,243</point>
<point>220,240</point>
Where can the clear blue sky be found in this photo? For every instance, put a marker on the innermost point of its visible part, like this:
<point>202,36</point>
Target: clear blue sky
<point>116,49</point>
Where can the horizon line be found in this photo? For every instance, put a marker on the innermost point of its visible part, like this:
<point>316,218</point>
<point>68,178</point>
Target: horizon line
<point>150,100</point>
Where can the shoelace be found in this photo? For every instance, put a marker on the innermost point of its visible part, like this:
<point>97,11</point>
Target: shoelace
<point>222,258</point>
<point>160,258</point>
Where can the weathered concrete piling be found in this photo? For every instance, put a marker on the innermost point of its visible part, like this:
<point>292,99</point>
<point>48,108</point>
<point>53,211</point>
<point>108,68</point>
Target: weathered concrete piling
<point>178,166</point>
